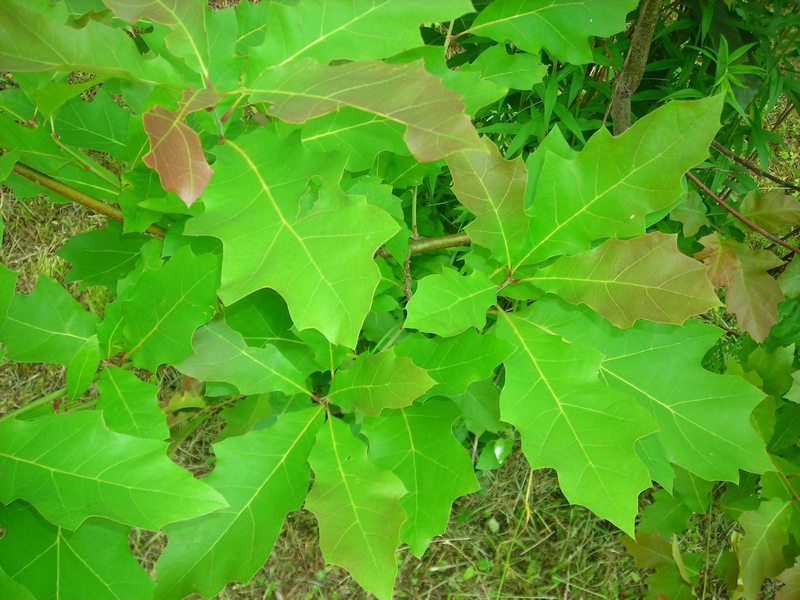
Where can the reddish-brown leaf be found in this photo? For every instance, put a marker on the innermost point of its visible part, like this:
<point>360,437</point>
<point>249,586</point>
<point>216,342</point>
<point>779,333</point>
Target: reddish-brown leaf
<point>175,150</point>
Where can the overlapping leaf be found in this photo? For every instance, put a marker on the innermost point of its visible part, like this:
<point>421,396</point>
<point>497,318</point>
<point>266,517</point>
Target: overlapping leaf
<point>92,562</point>
<point>433,116</point>
<point>614,183</point>
<point>449,303</point>
<point>130,405</point>
<point>268,244</point>
<point>378,381</point>
<point>263,476</point>
<point>71,467</point>
<point>493,189</point>
<point>416,443</point>
<point>560,26</point>
<point>357,506</point>
<point>571,421</point>
<point>643,278</point>
<point>221,355</point>
<point>703,418</point>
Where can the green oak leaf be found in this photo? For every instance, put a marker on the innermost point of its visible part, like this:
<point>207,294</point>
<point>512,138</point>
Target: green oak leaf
<point>40,39</point>
<point>378,381</point>
<point>130,405</point>
<point>99,125</point>
<point>12,590</point>
<point>775,210</point>
<point>665,515</point>
<point>480,407</point>
<point>450,303</point>
<point>789,280</point>
<point>359,30</point>
<point>560,26</point>
<point>790,578</point>
<point>103,256</point>
<point>703,418</point>
<point>268,244</point>
<point>167,305</point>
<point>93,561</point>
<point>71,467</point>
<point>263,476</point>
<point>571,421</point>
<point>358,509</point>
<point>433,116</point>
<point>245,415</point>
<point>8,281</point>
<point>614,183</point>
<point>221,355</point>
<point>455,362</point>
<point>760,550</point>
<point>628,280</point>
<point>417,444</point>
<point>519,71</point>
<point>493,189</point>
<point>691,213</point>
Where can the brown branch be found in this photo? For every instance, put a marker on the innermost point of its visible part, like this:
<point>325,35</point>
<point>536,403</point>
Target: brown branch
<point>632,71</point>
<point>752,167</point>
<point>78,196</point>
<point>757,228</point>
<point>429,244</point>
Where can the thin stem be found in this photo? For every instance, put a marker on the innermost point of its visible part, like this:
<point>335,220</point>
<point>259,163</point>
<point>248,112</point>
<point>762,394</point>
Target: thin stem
<point>760,172</point>
<point>757,228</point>
<point>78,196</point>
<point>414,230</point>
<point>429,244</point>
<point>448,38</point>
<point>33,404</point>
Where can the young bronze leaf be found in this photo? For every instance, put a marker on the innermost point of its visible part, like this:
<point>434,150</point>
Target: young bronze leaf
<point>263,476</point>
<point>434,118</point>
<point>614,183</point>
<point>358,509</point>
<point>417,444</point>
<point>72,467</point>
<point>449,303</point>
<point>379,381</point>
<point>93,561</point>
<point>493,189</point>
<point>175,150</point>
<point>569,420</point>
<point>627,280</point>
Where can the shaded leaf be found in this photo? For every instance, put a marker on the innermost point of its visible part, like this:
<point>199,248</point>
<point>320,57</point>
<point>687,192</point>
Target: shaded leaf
<point>221,355</point>
<point>71,467</point>
<point>691,213</point>
<point>167,305</point>
<point>480,407</point>
<point>416,443</point>
<point>775,211</point>
<point>493,190</point>
<point>570,421</point>
<point>130,405</point>
<point>268,244</point>
<point>628,280</point>
<point>789,280</point>
<point>99,125</point>
<point>450,303</point>
<point>791,583</point>
<point>92,562</point>
<point>12,590</point>
<point>357,506</point>
<point>175,149</point>
<point>263,476</point>
<point>433,116</point>
<point>560,26</point>
<point>614,183</point>
<point>378,381</point>
<point>519,71</point>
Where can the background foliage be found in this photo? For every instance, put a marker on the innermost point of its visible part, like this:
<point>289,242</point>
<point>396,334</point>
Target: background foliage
<point>367,236</point>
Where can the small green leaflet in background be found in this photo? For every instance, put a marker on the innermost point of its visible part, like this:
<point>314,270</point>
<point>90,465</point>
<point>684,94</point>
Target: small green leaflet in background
<point>71,467</point>
<point>166,307</point>
<point>518,71</point>
<point>130,405</point>
<point>416,443</point>
<point>103,256</point>
<point>221,355</point>
<point>614,183</point>
<point>570,421</point>
<point>379,381</point>
<point>628,280</point>
<point>93,561</point>
<point>493,190</point>
<point>263,476</point>
<point>450,303</point>
<point>358,509</point>
<point>691,213</point>
<point>559,26</point>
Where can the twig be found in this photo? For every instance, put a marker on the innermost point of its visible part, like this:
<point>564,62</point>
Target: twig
<point>78,196</point>
<point>632,71</point>
<point>760,172</point>
<point>757,228</point>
